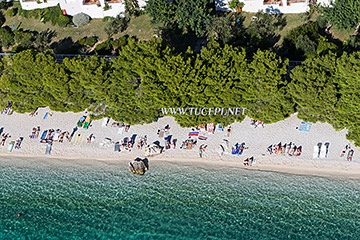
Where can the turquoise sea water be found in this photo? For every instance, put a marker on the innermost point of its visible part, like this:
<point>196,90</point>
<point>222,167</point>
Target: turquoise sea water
<point>172,201</point>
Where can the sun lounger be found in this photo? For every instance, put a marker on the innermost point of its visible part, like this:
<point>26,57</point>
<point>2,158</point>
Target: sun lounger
<point>81,121</point>
<point>48,148</point>
<point>344,150</point>
<point>10,147</point>
<point>105,122</point>
<point>202,138</point>
<point>87,122</point>
<point>323,151</point>
<point>277,148</point>
<point>241,149</point>
<point>120,131</point>
<point>316,151</point>
<point>117,147</point>
<point>350,155</point>
<point>283,148</point>
<point>299,151</point>
<point>235,149</point>
<point>161,134</point>
<point>44,134</point>
<point>56,136</point>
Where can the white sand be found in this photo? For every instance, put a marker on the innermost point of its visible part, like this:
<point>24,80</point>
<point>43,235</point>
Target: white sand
<point>256,139</point>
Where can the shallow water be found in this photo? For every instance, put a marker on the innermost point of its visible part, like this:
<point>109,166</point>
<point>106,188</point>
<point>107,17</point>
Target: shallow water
<point>172,201</point>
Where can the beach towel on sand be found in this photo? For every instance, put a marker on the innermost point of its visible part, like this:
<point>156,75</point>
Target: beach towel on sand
<point>202,138</point>
<point>210,127</point>
<point>305,126</point>
<point>195,134</point>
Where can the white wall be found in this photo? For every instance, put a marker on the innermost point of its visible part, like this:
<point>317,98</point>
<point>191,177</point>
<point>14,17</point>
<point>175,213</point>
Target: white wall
<point>30,5</point>
<point>74,7</point>
<point>257,5</point>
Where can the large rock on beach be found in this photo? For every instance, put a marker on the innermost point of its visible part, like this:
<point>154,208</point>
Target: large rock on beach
<point>139,166</point>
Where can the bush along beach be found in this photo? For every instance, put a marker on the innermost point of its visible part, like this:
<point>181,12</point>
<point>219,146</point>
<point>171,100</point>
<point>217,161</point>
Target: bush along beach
<point>148,76</point>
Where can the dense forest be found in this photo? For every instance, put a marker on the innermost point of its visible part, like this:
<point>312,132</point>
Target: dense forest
<point>148,75</point>
<point>239,67</point>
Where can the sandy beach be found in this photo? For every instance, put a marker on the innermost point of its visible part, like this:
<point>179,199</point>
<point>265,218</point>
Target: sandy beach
<point>257,140</point>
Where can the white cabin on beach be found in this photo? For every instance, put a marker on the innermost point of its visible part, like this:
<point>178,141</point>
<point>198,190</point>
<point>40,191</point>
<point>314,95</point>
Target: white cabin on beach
<point>93,8</point>
<point>270,6</point>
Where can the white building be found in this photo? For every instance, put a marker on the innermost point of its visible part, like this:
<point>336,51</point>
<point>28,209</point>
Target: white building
<point>270,6</point>
<point>93,8</point>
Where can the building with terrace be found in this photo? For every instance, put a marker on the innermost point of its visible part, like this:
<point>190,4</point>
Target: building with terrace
<point>93,8</point>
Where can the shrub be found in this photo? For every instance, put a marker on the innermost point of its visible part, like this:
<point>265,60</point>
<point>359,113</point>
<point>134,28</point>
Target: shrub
<point>6,37</point>
<point>116,24</point>
<point>2,19</point>
<point>235,5</point>
<point>11,12</point>
<point>5,5</point>
<point>51,14</point>
<point>81,19</point>
<point>104,48</point>
<point>63,21</point>
<point>87,41</point>
<point>107,19</point>
<point>118,43</point>
<point>25,38</point>
<point>107,7</point>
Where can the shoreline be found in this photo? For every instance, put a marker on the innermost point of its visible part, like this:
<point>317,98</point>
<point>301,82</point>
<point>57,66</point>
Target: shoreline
<point>349,172</point>
<point>256,139</point>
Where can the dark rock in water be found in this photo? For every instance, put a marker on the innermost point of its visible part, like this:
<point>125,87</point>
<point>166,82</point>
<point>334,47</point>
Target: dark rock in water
<point>139,166</point>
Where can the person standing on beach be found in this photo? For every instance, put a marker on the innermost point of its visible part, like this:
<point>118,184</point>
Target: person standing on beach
<point>200,151</point>
<point>228,131</point>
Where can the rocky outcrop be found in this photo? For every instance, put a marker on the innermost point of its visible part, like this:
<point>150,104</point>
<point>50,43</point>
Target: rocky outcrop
<point>139,166</point>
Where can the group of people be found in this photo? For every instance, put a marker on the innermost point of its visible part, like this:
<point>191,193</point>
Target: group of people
<point>188,143</point>
<point>249,161</point>
<point>33,114</point>
<point>169,142</point>
<point>238,149</point>
<point>52,135</point>
<point>127,143</point>
<point>35,132</point>
<point>288,148</point>
<point>350,153</point>
<point>90,138</point>
<point>4,136</point>
<point>18,143</point>
<point>256,123</point>
<point>142,142</point>
<point>124,125</point>
<point>7,111</point>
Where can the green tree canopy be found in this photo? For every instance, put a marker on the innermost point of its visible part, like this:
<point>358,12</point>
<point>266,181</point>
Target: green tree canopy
<point>187,15</point>
<point>265,88</point>
<point>314,89</point>
<point>31,80</point>
<point>6,37</point>
<point>344,14</point>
